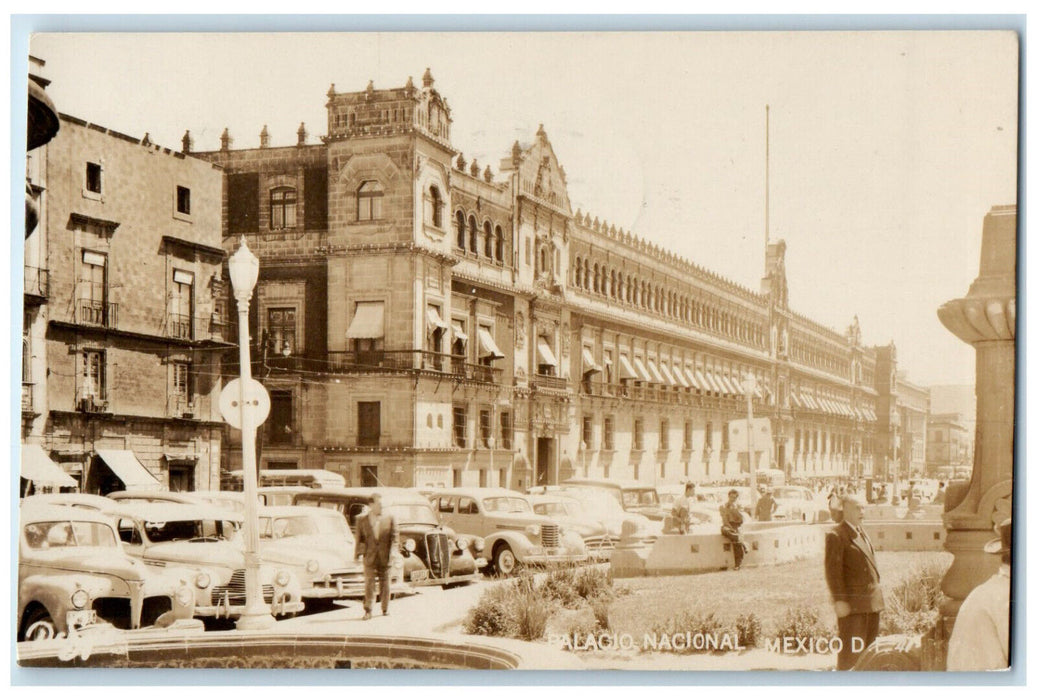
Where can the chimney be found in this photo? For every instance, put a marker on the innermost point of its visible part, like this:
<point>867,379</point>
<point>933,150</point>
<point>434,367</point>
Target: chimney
<point>187,143</point>
<point>302,134</point>
<point>225,140</point>
<point>264,138</point>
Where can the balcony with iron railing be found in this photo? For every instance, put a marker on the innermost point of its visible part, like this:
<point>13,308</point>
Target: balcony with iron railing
<point>181,406</point>
<point>180,326</point>
<point>403,360</point>
<point>37,282</point>
<point>547,381</point>
<point>98,313</point>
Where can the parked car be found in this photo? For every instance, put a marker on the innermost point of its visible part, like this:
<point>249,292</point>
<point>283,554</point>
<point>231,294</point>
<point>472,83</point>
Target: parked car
<point>799,503</point>
<point>604,507</point>
<point>312,478</point>
<point>317,544</point>
<point>88,501</point>
<point>431,554</point>
<point>514,535</point>
<point>280,495</point>
<point>72,572</point>
<point>571,514</point>
<point>701,520</point>
<point>205,541</point>
<point>634,496</point>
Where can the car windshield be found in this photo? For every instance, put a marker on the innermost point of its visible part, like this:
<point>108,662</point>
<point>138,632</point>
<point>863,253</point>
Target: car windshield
<point>599,501</point>
<point>188,530</point>
<point>331,525</point>
<point>506,505</point>
<point>69,534</point>
<point>555,508</point>
<point>413,513</point>
<point>640,497</point>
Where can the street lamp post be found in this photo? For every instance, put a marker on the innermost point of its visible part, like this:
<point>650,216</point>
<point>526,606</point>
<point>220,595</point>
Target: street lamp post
<point>749,386</point>
<point>244,272</point>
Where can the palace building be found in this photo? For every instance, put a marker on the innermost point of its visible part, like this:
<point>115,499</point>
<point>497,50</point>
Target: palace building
<point>424,320</point>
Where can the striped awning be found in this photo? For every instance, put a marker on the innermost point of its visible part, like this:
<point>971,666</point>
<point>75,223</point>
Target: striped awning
<point>668,375</point>
<point>642,372</point>
<point>589,364</point>
<point>487,347</point>
<point>459,333</point>
<point>544,353</point>
<point>626,370</point>
<point>809,401</point>
<point>737,385</point>
<point>796,401</point>
<point>692,377</point>
<point>653,370</point>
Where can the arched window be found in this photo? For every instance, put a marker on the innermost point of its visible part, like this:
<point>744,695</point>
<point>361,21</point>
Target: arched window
<point>578,273</point>
<point>587,274</point>
<point>473,235</point>
<point>499,236</point>
<point>434,207</point>
<point>612,284</point>
<point>459,229</point>
<point>282,208</point>
<point>369,201</point>
<point>488,235</point>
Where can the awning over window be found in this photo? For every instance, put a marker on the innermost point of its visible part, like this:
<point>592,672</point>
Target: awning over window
<point>870,415</point>
<point>808,401</point>
<point>642,371</point>
<point>368,321</point>
<point>702,382</point>
<point>796,401</point>
<point>758,392</point>
<point>459,333</point>
<point>589,365</point>
<point>714,383</point>
<point>736,385</point>
<point>859,414</point>
<point>544,353</point>
<point>653,371</point>
<point>667,374</point>
<point>488,348</point>
<point>682,379</point>
<point>435,323</point>
<point>125,465</point>
<point>626,370</point>
<point>41,470</point>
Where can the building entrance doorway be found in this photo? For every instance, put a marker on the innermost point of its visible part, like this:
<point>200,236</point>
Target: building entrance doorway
<point>544,459</point>
<point>369,476</point>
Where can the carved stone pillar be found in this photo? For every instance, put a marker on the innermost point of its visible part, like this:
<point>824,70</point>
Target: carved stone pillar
<point>985,318</point>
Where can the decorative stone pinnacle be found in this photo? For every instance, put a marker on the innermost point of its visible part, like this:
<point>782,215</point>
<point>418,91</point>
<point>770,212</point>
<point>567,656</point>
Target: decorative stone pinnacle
<point>426,79</point>
<point>302,134</point>
<point>225,140</point>
<point>488,174</point>
<point>187,143</point>
<point>475,168</point>
<point>461,162</point>
<point>264,138</point>
<point>331,90</point>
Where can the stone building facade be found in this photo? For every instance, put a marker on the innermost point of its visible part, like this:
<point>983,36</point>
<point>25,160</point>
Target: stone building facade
<point>913,408</point>
<point>949,441</point>
<point>424,320</point>
<point>124,308</point>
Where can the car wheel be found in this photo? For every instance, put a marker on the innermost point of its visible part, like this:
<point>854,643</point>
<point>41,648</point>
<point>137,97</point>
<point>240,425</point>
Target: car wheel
<point>504,560</point>
<point>39,626</point>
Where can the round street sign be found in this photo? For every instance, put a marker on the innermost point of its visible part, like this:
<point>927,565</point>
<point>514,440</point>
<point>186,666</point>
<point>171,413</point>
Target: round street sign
<point>257,402</point>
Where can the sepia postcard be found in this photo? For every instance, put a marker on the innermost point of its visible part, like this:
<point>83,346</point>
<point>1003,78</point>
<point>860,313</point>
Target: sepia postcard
<point>579,351</point>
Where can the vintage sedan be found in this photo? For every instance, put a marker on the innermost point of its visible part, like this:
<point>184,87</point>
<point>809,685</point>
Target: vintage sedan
<point>317,544</point>
<point>72,572</point>
<point>799,503</point>
<point>512,533</point>
<point>431,554</point>
<point>634,496</point>
<point>573,515</point>
<point>204,541</point>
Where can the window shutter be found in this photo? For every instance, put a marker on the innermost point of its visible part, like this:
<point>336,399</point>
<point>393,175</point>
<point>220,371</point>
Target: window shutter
<point>243,202</point>
<point>315,188</point>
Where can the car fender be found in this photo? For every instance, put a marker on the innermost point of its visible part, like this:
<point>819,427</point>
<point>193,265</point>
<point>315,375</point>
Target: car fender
<point>55,593</point>
<point>519,543</point>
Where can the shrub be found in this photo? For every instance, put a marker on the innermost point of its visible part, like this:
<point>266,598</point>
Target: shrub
<point>600,608</point>
<point>560,586</point>
<point>531,613</point>
<point>749,630</point>
<point>490,618</point>
<point>694,623</point>
<point>593,583</point>
<point>913,604</point>
<point>803,622</point>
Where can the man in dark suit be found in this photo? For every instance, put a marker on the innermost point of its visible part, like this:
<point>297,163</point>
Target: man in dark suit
<point>853,581</point>
<point>731,523</point>
<point>377,541</point>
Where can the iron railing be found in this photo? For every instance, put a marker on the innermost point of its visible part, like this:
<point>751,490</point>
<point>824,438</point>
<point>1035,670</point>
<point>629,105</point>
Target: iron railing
<point>180,326</point>
<point>98,313</point>
<point>545,381</point>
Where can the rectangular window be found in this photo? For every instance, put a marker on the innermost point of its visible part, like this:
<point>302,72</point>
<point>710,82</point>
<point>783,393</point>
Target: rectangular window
<point>183,200</point>
<point>180,304</point>
<point>93,177</point>
<point>639,434</point>
<point>368,423</point>
<point>482,478</point>
<point>664,435</point>
<point>460,426</point>
<point>587,433</point>
<point>280,328</point>
<point>93,288</point>
<point>709,435</point>
<point>687,435</point>
<point>725,438</point>
<point>279,429</point>
<point>282,208</point>
<point>369,201</point>
<point>182,379</point>
<point>485,427</point>
<point>608,433</point>
<point>92,385</point>
<point>315,195</point>
<point>242,202</point>
<point>505,430</point>
<point>797,439</point>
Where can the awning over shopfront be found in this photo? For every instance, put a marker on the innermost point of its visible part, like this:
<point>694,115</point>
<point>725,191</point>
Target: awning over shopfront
<point>125,465</point>
<point>368,321</point>
<point>642,371</point>
<point>544,353</point>
<point>41,470</point>
<point>589,365</point>
<point>653,371</point>
<point>626,370</point>
<point>488,348</point>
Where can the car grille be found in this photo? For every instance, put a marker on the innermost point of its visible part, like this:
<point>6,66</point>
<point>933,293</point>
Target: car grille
<point>437,546</point>
<point>549,535</point>
<point>234,590</point>
<point>601,542</point>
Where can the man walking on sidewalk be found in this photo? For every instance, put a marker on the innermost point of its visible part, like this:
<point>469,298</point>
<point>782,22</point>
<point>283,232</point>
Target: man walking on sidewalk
<point>377,541</point>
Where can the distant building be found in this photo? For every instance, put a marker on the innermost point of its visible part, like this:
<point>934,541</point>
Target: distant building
<point>124,307</point>
<point>421,320</point>
<point>903,409</point>
<point>913,410</point>
<point>950,441</point>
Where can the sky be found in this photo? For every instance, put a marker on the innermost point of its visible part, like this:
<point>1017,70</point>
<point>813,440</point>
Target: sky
<point>886,149</point>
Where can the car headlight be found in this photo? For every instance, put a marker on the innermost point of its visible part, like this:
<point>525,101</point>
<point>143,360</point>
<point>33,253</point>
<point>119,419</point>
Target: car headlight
<point>410,545</point>
<point>312,566</point>
<point>80,599</point>
<point>202,580</point>
<point>478,544</point>
<point>183,595</point>
<point>533,530</point>
<point>282,578</point>
<point>462,543</point>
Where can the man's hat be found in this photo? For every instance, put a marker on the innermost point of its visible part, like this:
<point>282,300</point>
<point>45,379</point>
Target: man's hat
<point>1002,543</point>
